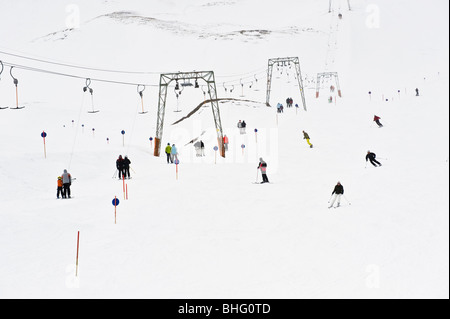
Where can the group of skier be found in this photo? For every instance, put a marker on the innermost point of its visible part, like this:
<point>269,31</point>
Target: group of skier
<point>171,153</point>
<point>289,102</point>
<point>123,167</point>
<point>63,185</point>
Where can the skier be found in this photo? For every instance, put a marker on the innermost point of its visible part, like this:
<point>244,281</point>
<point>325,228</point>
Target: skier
<point>371,156</point>
<point>263,167</point>
<point>243,125</point>
<point>168,151</point>
<point>417,92</point>
<point>225,142</point>
<point>332,88</point>
<point>126,167</point>
<point>59,189</point>
<point>198,146</point>
<point>174,153</point>
<point>337,192</point>
<point>119,166</point>
<point>67,181</point>
<point>202,148</point>
<point>239,125</point>
<point>377,120</point>
<point>306,137</point>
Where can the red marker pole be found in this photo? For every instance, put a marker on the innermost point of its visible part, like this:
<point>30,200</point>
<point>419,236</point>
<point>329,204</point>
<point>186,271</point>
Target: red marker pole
<point>123,181</point>
<point>78,248</point>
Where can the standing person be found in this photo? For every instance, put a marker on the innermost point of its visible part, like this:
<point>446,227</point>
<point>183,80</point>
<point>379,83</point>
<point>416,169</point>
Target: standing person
<point>417,92</point>
<point>202,148</point>
<point>243,125</point>
<point>225,142</point>
<point>239,125</point>
<point>287,102</point>
<point>198,146</point>
<point>67,181</point>
<point>119,166</point>
<point>337,192</point>
<point>306,137</point>
<point>174,152</point>
<point>377,120</point>
<point>263,167</point>
<point>126,167</point>
<point>59,189</point>
<point>371,157</point>
<point>168,151</point>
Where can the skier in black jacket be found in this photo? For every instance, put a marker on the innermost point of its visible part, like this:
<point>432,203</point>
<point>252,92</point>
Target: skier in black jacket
<point>371,157</point>
<point>119,166</point>
<point>337,192</point>
<point>126,167</point>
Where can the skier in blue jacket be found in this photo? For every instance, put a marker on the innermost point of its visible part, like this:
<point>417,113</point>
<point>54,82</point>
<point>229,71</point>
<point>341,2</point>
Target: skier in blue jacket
<point>174,152</point>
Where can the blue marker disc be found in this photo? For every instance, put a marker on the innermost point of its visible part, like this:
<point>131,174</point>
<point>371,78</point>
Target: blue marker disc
<point>115,202</point>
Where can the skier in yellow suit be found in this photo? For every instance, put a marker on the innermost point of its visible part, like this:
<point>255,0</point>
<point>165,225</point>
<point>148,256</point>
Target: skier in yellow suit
<point>306,137</point>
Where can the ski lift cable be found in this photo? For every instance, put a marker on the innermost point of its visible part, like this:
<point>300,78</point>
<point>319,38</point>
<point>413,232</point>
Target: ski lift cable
<point>27,68</point>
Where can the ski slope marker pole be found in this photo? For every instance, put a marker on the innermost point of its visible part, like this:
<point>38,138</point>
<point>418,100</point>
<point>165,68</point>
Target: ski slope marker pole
<point>215,154</point>
<point>126,191</point>
<point>123,137</point>
<point>256,135</point>
<point>176,167</point>
<point>78,248</point>
<point>115,202</point>
<point>43,134</point>
<point>242,146</point>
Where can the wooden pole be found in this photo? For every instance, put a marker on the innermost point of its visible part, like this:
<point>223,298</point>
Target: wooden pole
<point>115,209</point>
<point>78,248</point>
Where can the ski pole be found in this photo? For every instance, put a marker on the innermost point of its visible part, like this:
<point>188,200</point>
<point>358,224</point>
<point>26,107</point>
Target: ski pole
<point>115,173</point>
<point>257,173</point>
<point>330,198</point>
<point>382,158</point>
<point>132,170</point>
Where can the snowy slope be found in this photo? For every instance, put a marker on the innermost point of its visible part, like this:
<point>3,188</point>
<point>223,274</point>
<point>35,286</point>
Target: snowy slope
<point>212,233</point>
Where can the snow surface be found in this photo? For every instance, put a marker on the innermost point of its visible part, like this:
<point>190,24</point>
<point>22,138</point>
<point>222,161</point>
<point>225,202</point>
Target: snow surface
<point>213,233</point>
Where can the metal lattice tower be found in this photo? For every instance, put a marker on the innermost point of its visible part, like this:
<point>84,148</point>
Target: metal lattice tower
<point>165,80</point>
<point>328,75</point>
<point>285,62</point>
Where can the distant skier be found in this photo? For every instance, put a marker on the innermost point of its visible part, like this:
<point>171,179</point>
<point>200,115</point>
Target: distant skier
<point>243,126</point>
<point>337,192</point>
<point>371,157</point>
<point>239,125</point>
<point>225,142</point>
<point>168,153</point>
<point>202,148</point>
<point>377,120</point>
<point>306,137</point>
<point>263,167</point>
<point>174,153</point>
<point>67,181</point>
<point>332,88</point>
<point>417,92</point>
<point>59,189</point>
<point>198,151</point>
<point>119,166</point>
<point>126,167</point>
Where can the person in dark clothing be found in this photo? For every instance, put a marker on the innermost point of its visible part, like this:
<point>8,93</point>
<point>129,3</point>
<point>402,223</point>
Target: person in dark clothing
<point>371,157</point>
<point>243,126</point>
<point>202,148</point>
<point>263,167</point>
<point>377,120</point>
<point>119,166</point>
<point>337,192</point>
<point>126,167</point>
<point>417,92</point>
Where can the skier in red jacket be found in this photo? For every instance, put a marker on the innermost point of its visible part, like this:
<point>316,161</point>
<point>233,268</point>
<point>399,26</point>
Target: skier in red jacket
<point>377,120</point>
